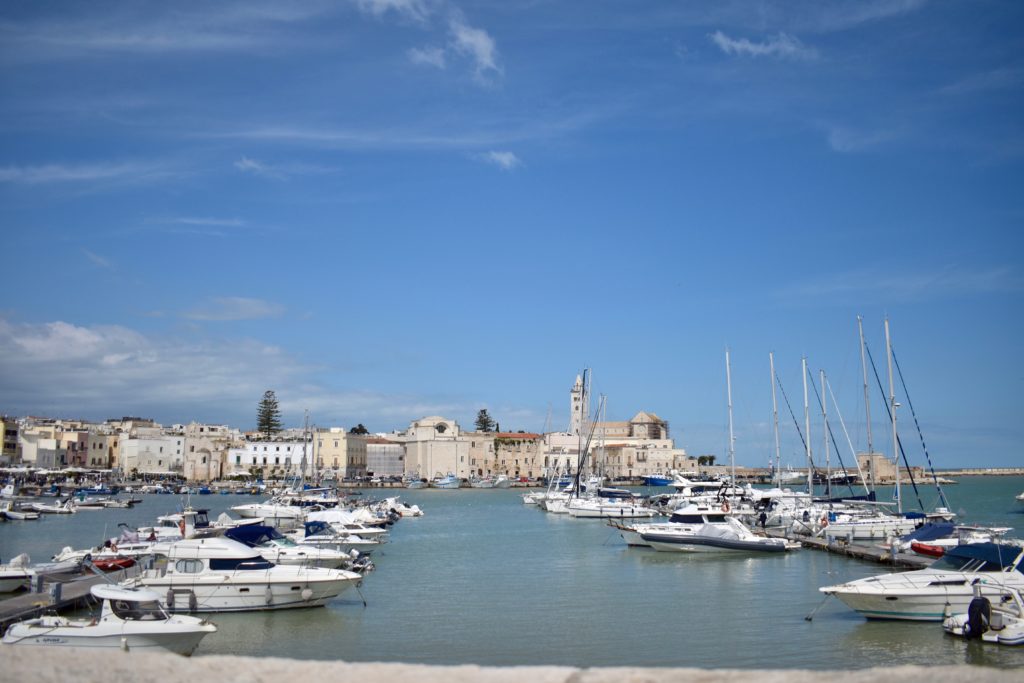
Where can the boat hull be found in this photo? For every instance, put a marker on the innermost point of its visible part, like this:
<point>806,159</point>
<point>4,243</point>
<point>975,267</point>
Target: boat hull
<point>709,544</point>
<point>215,594</point>
<point>174,636</point>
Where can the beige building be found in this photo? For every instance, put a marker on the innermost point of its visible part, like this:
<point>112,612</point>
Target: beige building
<point>435,446</point>
<point>514,454</point>
<point>9,453</point>
<point>342,453</point>
<point>206,451</point>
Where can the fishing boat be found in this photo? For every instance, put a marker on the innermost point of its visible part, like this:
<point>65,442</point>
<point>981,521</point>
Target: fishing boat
<point>658,479</point>
<point>130,619</point>
<point>946,587</point>
<point>702,529</point>
<point>11,511</point>
<point>15,574</point>
<point>217,574</point>
<point>1001,622</point>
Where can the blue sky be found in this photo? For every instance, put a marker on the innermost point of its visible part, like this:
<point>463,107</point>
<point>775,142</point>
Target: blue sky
<point>385,209</point>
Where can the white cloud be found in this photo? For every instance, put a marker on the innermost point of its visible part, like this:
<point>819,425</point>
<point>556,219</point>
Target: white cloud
<point>84,173</point>
<point>233,308</point>
<point>213,222</point>
<point>478,45</point>
<point>96,258</point>
<point>428,56</point>
<point>506,161</point>
<point>279,171</point>
<point>844,139</point>
<point>416,10</point>
<point>247,165</point>
<point>782,45</point>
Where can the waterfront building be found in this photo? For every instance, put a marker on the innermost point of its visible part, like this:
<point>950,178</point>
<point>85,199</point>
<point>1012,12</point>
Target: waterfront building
<point>206,450</point>
<point>435,446</point>
<point>273,459</point>
<point>514,454</point>
<point>343,454</point>
<point>384,458</point>
<point>37,441</point>
<point>146,450</point>
<point>9,453</point>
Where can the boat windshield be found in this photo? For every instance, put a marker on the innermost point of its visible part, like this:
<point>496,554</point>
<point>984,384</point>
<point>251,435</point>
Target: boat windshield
<point>244,564</point>
<point>138,611</point>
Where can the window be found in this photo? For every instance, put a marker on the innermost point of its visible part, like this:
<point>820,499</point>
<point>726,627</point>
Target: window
<point>188,566</point>
<point>238,460</point>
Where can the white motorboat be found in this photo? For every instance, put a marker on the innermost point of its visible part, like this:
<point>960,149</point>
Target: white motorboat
<point>1000,622</point>
<point>345,522</point>
<point>878,526</point>
<point>702,528</point>
<point>15,574</point>
<point>946,587</point>
<point>273,513</point>
<point>449,481</point>
<point>65,508</point>
<point>1020,497</point>
<point>322,535</point>
<point>217,574</point>
<point>130,619</point>
<point>616,508</point>
<point>10,511</point>
<point>281,550</point>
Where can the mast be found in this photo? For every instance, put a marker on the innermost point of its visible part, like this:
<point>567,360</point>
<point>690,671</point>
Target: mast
<point>775,420</point>
<point>894,405</point>
<point>867,394</point>
<point>732,441</point>
<point>824,419</point>
<point>807,428</point>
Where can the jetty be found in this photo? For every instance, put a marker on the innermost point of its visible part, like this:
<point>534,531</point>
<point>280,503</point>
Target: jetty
<point>55,595</point>
<point>860,552</point>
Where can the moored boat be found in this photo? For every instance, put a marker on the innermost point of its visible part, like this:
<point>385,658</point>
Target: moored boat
<point>1001,622</point>
<point>130,619</point>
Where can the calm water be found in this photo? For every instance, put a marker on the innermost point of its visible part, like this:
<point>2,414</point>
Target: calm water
<point>484,579</point>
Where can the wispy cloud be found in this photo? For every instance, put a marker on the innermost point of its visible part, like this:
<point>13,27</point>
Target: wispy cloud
<point>247,165</point>
<point>96,258</point>
<point>871,286</point>
<point>846,139</point>
<point>234,308</point>
<point>782,45</point>
<point>427,56</point>
<point>214,222</point>
<point>478,45</point>
<point>415,10</point>
<point>85,173</point>
<point>279,171</point>
<point>1004,78</point>
<point>506,161</point>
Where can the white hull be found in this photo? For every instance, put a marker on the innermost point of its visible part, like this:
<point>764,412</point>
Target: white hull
<point>9,585</point>
<point>610,511</point>
<point>214,594</point>
<point>41,633</point>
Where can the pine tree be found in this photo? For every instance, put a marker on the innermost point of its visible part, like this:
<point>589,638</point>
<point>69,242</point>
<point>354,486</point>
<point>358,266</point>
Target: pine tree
<point>268,415</point>
<point>484,422</point>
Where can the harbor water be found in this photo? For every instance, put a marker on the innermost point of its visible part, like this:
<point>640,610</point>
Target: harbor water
<point>483,579</point>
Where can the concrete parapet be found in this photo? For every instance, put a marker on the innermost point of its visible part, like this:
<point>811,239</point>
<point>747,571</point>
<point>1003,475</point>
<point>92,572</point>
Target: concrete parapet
<point>58,665</point>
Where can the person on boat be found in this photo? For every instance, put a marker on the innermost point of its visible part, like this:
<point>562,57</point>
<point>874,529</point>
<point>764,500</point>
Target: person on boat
<point>762,519</point>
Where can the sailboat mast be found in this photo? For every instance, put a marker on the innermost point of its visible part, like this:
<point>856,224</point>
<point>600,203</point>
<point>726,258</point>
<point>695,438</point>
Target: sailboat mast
<point>807,431</point>
<point>824,419</point>
<point>775,421</point>
<point>728,389</point>
<point>867,394</point>
<point>893,405</point>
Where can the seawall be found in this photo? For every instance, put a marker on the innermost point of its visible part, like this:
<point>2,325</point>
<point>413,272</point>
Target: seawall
<point>59,665</point>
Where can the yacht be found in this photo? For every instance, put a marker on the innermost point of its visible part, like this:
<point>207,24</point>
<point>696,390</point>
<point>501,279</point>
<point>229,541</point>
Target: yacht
<point>271,512</point>
<point>130,619</point>
<point>702,528</point>
<point>946,587</point>
<point>217,574</point>
<point>276,548</point>
<point>616,508</point>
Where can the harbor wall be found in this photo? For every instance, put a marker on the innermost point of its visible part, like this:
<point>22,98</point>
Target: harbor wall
<point>58,665</point>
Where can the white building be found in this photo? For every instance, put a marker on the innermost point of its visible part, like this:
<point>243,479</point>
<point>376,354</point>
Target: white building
<point>272,458</point>
<point>152,452</point>
<point>435,446</point>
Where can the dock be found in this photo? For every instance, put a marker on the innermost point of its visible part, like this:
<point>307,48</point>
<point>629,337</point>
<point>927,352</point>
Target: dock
<point>860,552</point>
<point>73,594</point>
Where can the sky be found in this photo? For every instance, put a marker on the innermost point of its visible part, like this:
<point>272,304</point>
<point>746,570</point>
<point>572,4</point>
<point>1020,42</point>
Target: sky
<point>388,209</point>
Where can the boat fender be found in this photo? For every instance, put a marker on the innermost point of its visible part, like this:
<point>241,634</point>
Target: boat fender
<point>307,594</point>
<point>170,600</point>
<point>979,614</point>
<point>725,506</point>
<point>193,603</point>
<point>269,596</point>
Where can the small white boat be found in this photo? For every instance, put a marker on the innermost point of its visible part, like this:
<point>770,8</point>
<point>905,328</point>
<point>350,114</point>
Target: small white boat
<point>702,528</point>
<point>271,512</point>
<point>130,619</point>
<point>1020,497</point>
<point>65,508</point>
<point>449,481</point>
<point>1001,622</point>
<point>279,549</point>
<point>15,574</point>
<point>9,511</point>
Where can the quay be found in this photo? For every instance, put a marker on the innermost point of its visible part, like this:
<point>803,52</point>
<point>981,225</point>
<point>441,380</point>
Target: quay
<point>69,594</point>
<point>57,665</point>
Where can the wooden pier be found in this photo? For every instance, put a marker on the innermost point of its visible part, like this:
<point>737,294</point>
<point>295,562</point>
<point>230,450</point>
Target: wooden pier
<point>860,552</point>
<point>74,594</point>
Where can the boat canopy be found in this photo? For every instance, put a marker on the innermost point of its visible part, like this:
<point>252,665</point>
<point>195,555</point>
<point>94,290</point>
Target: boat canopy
<point>105,591</point>
<point>253,535</point>
<point>986,557</point>
<point>931,531</point>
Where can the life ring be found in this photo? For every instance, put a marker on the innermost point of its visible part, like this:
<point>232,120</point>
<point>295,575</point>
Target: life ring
<point>181,526</point>
<point>725,506</point>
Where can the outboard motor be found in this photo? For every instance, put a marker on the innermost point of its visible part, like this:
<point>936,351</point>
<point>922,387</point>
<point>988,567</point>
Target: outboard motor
<point>979,615</point>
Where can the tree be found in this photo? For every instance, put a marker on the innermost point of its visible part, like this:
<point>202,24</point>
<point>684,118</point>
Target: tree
<point>359,429</point>
<point>484,422</point>
<point>268,415</point>
<point>706,460</point>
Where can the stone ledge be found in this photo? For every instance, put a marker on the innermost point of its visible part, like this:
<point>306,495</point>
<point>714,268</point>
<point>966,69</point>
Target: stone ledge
<point>58,665</point>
